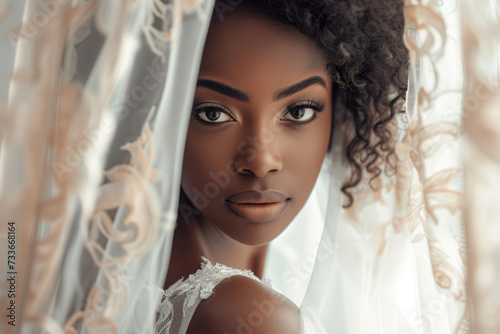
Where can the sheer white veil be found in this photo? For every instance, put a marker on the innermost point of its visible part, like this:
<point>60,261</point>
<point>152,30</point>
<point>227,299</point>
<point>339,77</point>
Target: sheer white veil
<point>94,108</point>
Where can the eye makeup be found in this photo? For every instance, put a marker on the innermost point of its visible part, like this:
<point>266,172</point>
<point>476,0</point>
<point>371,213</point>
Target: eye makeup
<point>208,112</point>
<point>304,105</point>
<point>211,109</point>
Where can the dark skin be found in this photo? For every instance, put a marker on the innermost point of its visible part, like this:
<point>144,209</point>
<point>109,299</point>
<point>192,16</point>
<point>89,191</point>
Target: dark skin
<point>260,141</point>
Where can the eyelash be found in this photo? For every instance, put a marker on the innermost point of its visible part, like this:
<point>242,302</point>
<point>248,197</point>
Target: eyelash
<point>309,104</point>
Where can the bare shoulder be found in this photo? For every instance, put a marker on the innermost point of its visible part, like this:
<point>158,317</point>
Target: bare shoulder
<point>242,305</point>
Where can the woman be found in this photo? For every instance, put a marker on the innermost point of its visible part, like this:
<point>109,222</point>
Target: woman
<point>93,131</point>
<point>272,77</point>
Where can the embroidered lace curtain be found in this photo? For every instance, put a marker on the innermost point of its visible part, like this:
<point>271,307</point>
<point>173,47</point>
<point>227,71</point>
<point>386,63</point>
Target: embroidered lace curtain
<point>94,106</point>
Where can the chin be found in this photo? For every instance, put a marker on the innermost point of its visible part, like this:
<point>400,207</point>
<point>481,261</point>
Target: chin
<point>255,234</point>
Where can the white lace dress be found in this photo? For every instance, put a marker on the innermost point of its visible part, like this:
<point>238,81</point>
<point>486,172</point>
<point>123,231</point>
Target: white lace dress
<point>179,302</point>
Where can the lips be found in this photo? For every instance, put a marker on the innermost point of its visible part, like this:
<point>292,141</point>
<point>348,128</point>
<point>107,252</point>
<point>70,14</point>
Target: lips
<point>257,206</point>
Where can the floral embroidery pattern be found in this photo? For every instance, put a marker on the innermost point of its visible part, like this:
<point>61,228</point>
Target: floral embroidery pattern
<point>196,287</point>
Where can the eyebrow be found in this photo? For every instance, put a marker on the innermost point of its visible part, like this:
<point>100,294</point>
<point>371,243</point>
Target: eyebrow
<point>224,89</point>
<point>298,87</point>
<point>242,96</point>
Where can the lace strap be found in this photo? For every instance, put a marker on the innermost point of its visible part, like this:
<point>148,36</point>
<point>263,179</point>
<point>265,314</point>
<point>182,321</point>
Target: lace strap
<point>189,292</point>
<point>201,284</point>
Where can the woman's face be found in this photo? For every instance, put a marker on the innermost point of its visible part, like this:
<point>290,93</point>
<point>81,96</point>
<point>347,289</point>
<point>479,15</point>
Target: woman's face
<point>261,121</point>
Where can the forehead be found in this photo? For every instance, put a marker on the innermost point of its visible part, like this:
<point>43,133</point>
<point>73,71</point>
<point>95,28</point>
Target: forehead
<point>246,51</point>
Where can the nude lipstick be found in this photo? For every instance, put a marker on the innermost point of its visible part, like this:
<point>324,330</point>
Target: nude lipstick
<point>257,206</point>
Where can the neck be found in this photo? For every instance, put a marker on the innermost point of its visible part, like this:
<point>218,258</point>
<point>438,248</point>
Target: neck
<point>196,239</point>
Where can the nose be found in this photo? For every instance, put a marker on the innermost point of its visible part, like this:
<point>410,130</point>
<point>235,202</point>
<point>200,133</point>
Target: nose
<point>258,157</point>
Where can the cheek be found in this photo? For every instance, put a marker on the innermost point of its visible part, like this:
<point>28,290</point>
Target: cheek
<point>308,149</point>
<point>306,157</point>
<point>204,155</point>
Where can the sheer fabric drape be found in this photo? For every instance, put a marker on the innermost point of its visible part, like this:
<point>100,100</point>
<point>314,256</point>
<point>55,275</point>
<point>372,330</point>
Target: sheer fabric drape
<point>95,99</point>
<point>93,126</point>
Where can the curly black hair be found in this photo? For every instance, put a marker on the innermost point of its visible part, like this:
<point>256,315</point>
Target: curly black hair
<point>368,64</point>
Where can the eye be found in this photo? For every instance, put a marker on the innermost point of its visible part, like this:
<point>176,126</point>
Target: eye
<point>212,114</point>
<point>303,112</point>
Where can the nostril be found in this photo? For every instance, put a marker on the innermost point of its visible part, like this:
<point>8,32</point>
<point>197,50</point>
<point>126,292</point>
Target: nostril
<point>245,172</point>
